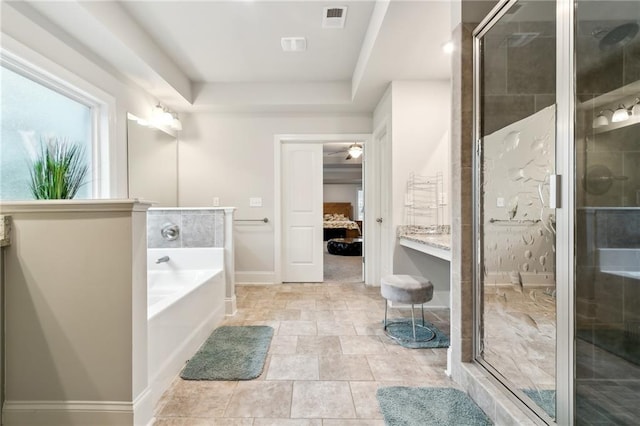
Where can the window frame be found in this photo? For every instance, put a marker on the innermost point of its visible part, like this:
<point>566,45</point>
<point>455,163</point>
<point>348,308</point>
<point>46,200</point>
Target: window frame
<point>100,104</point>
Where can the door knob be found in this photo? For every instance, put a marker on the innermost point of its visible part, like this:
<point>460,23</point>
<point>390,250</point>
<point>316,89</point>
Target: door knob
<point>379,220</point>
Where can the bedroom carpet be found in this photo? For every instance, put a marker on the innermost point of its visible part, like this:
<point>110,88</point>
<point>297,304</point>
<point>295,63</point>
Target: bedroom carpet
<point>342,269</point>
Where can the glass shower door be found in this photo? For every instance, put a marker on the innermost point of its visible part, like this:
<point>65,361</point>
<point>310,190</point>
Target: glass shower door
<point>515,166</point>
<point>607,212</point>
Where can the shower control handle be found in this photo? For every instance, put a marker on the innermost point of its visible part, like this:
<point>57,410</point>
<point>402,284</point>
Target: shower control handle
<point>170,231</point>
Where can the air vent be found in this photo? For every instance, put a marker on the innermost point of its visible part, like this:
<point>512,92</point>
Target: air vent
<point>334,17</point>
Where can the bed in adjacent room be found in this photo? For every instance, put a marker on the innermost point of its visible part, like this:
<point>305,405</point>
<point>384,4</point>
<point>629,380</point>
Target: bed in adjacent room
<point>338,221</point>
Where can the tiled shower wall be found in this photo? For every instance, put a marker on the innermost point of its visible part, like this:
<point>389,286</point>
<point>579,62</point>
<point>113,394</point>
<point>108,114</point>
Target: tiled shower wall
<point>605,300</point>
<point>198,228</point>
<point>520,78</point>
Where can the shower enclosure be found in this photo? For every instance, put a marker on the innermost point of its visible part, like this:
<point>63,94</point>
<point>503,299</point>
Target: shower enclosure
<point>557,206</point>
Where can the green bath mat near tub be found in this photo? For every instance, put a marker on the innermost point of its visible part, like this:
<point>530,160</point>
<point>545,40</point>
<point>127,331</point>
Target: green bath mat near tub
<point>407,406</point>
<point>231,353</point>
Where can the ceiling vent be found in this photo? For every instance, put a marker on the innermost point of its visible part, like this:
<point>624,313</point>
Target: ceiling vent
<point>293,44</point>
<point>334,17</point>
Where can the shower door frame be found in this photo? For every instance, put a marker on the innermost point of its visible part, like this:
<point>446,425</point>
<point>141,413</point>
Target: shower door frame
<point>565,222</point>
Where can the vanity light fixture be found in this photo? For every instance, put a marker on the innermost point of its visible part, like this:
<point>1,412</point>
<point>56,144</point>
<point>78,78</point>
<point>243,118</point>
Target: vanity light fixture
<point>176,124</point>
<point>600,120</point>
<point>635,109</point>
<point>355,150</point>
<point>160,117</point>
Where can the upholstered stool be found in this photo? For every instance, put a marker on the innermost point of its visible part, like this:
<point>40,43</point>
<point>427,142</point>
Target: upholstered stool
<point>408,289</point>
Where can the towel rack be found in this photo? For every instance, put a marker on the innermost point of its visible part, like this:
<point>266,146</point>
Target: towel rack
<point>265,220</point>
<point>514,222</point>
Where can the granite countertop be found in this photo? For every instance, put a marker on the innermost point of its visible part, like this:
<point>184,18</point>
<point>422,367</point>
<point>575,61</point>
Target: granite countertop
<point>436,236</point>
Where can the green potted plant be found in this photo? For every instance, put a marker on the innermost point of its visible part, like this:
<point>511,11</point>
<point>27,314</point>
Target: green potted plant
<point>58,171</point>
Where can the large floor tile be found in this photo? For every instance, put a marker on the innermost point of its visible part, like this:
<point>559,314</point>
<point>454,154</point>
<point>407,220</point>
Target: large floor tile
<point>293,367</point>
<point>261,399</point>
<point>344,367</point>
<point>319,345</point>
<point>361,345</point>
<point>320,399</point>
<point>297,328</point>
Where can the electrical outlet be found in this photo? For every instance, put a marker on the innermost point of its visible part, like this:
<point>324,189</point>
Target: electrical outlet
<point>255,202</point>
<point>216,201</point>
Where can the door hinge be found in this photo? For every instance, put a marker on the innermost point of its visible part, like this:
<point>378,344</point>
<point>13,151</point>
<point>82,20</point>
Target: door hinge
<point>478,147</point>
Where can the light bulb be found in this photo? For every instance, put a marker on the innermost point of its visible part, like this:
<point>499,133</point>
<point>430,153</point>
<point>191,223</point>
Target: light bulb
<point>449,47</point>
<point>600,120</point>
<point>621,114</point>
<point>635,110</point>
<point>355,151</point>
<point>176,124</point>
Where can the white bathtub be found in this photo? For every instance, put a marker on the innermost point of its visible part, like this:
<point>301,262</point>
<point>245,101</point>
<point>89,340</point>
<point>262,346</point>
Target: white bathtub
<point>185,298</point>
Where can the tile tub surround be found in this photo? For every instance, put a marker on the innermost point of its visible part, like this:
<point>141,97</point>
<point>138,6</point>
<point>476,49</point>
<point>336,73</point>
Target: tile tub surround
<point>328,346</point>
<point>198,227</point>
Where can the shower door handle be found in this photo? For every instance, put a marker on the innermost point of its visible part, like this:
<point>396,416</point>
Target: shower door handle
<point>555,191</point>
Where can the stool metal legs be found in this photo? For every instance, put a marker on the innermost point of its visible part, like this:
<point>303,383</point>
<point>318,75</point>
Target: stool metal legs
<point>413,323</point>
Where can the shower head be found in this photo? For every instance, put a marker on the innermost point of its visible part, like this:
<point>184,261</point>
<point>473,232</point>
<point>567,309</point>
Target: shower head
<point>619,36</point>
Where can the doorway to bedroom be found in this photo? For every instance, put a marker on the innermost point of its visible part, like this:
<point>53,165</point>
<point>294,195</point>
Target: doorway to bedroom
<point>343,212</point>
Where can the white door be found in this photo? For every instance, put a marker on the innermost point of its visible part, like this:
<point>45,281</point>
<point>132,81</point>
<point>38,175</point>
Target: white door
<point>302,212</point>
<point>378,236</point>
<point>384,211</point>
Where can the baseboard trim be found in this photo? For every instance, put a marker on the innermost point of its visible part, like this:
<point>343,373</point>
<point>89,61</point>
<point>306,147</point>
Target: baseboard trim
<point>143,408</point>
<point>255,277</point>
<point>230,306</point>
<point>69,413</point>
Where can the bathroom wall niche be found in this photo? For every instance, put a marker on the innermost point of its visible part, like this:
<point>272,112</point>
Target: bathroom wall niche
<point>152,164</point>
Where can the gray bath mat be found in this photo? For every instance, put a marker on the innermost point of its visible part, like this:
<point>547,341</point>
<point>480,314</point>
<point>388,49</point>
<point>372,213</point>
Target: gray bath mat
<point>406,406</point>
<point>403,331</point>
<point>544,398</point>
<point>231,353</point>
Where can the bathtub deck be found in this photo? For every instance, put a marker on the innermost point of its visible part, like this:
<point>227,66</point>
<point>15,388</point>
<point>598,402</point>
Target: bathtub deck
<point>328,347</point>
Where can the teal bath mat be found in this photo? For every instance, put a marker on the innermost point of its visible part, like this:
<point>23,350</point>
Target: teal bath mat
<point>544,398</point>
<point>403,332</point>
<point>231,353</point>
<point>407,406</point>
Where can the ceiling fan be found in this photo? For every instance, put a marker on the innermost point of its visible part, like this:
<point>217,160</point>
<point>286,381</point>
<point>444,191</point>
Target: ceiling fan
<point>354,151</point>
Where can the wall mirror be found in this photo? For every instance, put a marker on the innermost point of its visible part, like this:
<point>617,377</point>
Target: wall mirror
<point>516,126</point>
<point>152,164</point>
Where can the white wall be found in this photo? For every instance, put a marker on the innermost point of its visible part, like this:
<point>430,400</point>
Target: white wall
<point>342,193</point>
<point>420,136</point>
<point>49,48</point>
<point>418,115</point>
<point>231,156</point>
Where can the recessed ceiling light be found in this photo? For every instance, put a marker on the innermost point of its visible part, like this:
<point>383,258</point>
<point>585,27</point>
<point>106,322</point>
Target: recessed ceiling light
<point>449,47</point>
<point>293,44</point>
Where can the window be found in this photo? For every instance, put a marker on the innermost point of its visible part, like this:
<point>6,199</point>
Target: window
<point>32,110</point>
<point>360,214</point>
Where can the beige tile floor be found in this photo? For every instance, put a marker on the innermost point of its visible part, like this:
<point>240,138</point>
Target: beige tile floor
<point>327,359</point>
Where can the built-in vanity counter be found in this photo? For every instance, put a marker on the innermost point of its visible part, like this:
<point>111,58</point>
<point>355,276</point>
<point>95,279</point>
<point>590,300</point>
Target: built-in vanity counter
<point>426,251</point>
<point>434,241</point>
